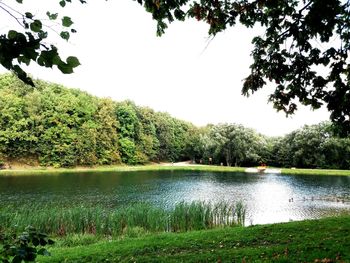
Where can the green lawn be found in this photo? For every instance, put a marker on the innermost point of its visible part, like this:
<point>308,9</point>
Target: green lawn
<point>305,241</point>
<point>156,167</point>
<point>121,168</point>
<point>316,172</point>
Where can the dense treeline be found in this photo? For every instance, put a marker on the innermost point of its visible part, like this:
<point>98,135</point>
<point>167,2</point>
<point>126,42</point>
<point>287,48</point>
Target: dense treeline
<point>54,126</point>
<point>51,125</point>
<point>313,146</point>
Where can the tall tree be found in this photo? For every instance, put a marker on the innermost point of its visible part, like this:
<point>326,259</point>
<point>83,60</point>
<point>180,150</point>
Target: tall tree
<point>107,149</point>
<point>235,143</point>
<point>129,131</point>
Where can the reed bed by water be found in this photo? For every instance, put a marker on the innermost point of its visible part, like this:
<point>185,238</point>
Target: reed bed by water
<point>128,220</point>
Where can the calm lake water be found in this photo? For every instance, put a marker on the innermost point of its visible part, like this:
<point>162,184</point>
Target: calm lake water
<point>269,198</point>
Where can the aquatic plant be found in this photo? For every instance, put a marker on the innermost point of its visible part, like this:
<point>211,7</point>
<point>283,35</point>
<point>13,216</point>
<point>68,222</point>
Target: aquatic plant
<point>125,220</point>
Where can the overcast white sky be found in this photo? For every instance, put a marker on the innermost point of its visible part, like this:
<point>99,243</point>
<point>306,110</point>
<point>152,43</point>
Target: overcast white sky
<point>178,73</point>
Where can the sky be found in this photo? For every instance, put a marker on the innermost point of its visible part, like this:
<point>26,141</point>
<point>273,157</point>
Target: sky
<point>183,72</point>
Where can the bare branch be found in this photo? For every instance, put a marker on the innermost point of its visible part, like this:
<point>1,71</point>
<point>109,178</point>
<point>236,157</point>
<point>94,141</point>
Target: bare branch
<point>12,15</point>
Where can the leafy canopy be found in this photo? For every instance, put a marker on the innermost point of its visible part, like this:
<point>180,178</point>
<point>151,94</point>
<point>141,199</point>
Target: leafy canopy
<point>303,52</point>
<point>28,45</point>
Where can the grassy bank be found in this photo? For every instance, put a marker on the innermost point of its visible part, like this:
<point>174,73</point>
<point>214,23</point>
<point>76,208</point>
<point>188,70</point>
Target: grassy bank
<point>289,171</point>
<point>324,240</point>
<point>120,168</point>
<point>157,167</point>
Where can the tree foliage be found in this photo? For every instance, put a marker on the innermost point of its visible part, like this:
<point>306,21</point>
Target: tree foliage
<point>65,127</point>
<point>303,51</point>
<point>314,146</point>
<point>24,247</point>
<point>234,143</point>
<point>55,126</point>
<point>27,44</point>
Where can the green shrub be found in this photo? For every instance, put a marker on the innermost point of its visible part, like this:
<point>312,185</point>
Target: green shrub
<point>24,247</point>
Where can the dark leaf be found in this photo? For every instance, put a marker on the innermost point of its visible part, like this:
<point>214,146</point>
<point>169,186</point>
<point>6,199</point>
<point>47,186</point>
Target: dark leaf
<point>67,21</point>
<point>52,16</point>
<point>65,68</point>
<point>42,34</point>
<point>12,34</point>
<point>17,259</point>
<point>63,3</point>
<point>65,35</point>
<point>35,241</point>
<point>36,26</point>
<point>29,15</point>
<point>43,252</point>
<point>73,61</point>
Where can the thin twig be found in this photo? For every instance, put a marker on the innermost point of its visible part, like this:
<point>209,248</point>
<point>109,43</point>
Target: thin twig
<point>7,11</point>
<point>210,39</point>
<point>9,7</point>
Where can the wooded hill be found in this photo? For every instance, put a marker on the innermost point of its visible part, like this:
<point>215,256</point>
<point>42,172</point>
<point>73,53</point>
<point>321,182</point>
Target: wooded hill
<point>51,125</point>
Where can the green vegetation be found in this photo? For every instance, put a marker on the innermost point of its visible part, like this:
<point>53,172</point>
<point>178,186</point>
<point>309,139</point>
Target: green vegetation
<point>201,168</point>
<point>28,44</point>
<point>24,247</point>
<point>55,126</point>
<point>315,172</point>
<point>296,54</point>
<point>324,240</point>
<point>52,126</point>
<point>61,220</point>
<point>298,39</point>
<point>313,146</point>
<point>121,168</point>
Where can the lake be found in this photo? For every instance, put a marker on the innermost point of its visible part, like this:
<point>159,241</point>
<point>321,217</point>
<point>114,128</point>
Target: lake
<point>269,198</point>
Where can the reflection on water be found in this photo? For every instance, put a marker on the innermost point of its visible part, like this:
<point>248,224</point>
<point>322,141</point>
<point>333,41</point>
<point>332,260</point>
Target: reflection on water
<point>269,198</point>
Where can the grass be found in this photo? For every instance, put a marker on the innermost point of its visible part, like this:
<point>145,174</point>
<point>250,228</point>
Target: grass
<point>289,171</point>
<point>120,168</point>
<point>156,167</point>
<point>324,240</point>
<point>131,220</point>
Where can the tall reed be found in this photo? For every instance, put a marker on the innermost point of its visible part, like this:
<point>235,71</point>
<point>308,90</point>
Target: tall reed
<point>62,220</point>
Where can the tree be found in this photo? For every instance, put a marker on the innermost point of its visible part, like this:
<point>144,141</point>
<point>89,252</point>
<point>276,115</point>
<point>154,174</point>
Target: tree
<point>297,53</point>
<point>129,132</point>
<point>148,142</point>
<point>107,139</point>
<point>28,45</point>
<point>313,146</point>
<point>235,144</point>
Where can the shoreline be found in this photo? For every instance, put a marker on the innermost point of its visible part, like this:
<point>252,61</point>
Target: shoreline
<point>163,167</point>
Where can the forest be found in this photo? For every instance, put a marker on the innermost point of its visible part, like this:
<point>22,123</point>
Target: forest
<point>51,125</point>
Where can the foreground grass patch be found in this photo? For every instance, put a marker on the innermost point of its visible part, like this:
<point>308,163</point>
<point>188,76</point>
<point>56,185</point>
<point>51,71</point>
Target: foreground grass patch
<point>305,241</point>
